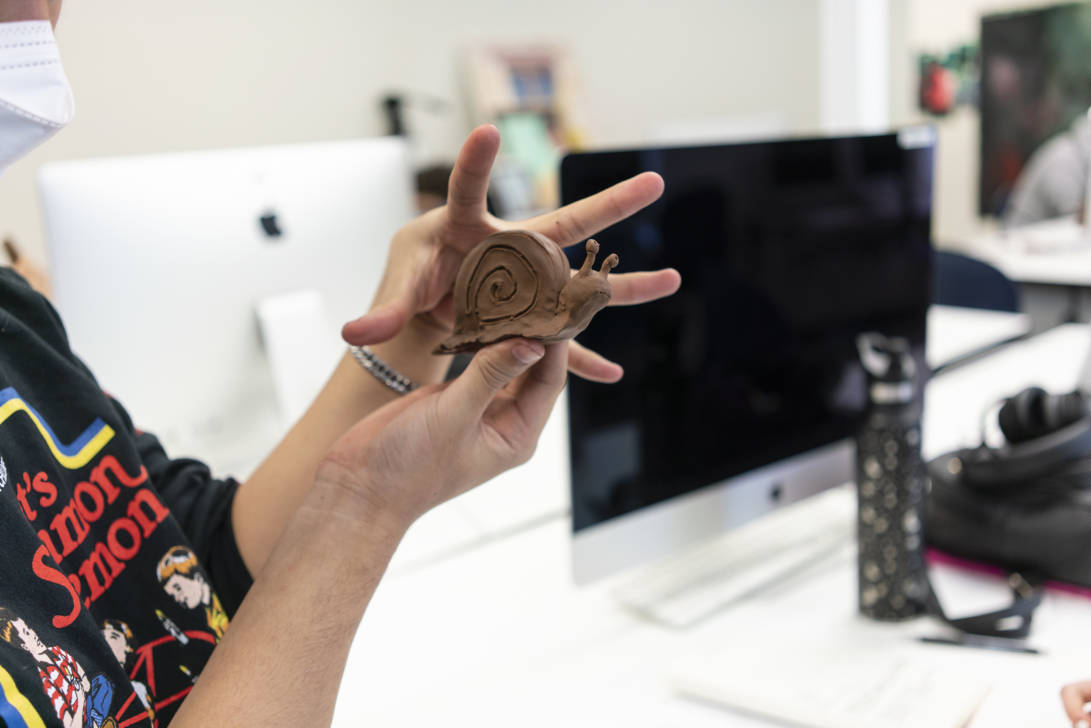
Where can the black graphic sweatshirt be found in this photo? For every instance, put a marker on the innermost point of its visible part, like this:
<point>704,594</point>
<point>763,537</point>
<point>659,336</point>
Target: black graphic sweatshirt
<point>118,565</point>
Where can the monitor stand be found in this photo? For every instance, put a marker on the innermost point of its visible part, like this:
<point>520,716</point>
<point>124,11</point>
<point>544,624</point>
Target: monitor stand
<point>704,579</point>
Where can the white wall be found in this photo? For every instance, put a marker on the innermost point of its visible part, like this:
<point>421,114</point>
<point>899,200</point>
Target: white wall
<point>854,63</point>
<point>937,26</point>
<point>153,76</point>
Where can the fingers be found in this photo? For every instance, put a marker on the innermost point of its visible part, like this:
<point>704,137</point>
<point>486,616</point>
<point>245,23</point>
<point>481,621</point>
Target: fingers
<point>540,387</point>
<point>490,371</point>
<point>378,325</point>
<point>469,185</point>
<point>576,222</point>
<point>627,289</point>
<point>592,366</point>
<point>1075,697</point>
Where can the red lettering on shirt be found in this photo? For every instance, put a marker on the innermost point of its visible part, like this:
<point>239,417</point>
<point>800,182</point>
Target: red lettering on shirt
<point>70,527</point>
<point>53,575</point>
<point>47,492</point>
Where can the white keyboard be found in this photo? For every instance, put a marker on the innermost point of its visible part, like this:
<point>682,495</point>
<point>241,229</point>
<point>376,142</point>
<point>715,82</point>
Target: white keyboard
<point>684,589</point>
<point>836,688</point>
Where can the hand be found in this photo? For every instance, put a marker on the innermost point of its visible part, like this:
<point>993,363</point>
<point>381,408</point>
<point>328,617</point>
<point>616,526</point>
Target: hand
<point>425,254</point>
<point>439,441</point>
<point>1075,697</point>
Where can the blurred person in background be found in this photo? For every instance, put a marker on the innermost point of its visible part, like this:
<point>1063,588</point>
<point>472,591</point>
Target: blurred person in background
<point>1054,181</point>
<point>432,182</point>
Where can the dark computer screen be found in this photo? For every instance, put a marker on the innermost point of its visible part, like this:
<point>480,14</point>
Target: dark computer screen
<point>788,250</point>
<point>1035,80</point>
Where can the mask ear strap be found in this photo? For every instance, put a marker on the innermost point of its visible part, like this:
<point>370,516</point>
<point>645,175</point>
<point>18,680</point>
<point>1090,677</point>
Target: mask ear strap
<point>1012,622</point>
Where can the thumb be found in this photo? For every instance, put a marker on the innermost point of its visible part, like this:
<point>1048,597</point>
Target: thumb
<point>377,326</point>
<point>490,371</point>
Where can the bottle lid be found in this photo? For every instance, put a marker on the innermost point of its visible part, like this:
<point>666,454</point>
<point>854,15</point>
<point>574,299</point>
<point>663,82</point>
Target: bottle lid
<point>889,365</point>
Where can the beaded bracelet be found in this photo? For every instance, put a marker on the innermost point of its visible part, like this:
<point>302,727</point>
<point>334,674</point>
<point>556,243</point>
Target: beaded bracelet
<point>381,370</point>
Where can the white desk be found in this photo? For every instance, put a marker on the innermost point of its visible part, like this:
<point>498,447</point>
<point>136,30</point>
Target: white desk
<point>955,332</point>
<point>1050,260</point>
<point>1055,252</point>
<point>498,636</point>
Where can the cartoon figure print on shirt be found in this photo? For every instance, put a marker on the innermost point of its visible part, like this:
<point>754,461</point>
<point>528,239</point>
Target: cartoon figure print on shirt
<point>119,637</point>
<point>182,578</point>
<point>100,525</point>
<point>77,700</point>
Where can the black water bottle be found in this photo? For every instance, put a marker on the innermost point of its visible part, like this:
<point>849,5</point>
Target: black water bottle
<point>890,483</point>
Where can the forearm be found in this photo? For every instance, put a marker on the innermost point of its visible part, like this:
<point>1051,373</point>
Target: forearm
<point>16,10</point>
<point>281,660</point>
<point>267,500</point>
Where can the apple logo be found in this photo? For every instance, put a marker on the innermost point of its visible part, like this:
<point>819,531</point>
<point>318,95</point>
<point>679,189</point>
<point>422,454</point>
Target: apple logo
<point>270,225</point>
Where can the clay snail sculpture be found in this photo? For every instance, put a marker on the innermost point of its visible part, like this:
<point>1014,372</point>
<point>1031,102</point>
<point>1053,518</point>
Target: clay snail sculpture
<point>518,283</point>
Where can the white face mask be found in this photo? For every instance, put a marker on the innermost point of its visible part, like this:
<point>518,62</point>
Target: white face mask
<point>35,98</point>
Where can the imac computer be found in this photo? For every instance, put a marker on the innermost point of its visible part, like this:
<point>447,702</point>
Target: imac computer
<point>162,264</point>
<point>743,390</point>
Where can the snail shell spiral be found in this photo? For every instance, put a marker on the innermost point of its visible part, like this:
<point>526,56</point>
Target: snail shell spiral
<point>502,286</point>
<point>518,283</point>
<point>508,285</point>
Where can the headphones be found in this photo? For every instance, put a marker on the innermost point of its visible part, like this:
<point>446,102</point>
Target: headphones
<point>1035,412</point>
<point>1046,451</point>
<point>1042,432</point>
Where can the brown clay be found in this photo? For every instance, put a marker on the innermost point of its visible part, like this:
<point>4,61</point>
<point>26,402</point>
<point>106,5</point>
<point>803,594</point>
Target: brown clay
<point>518,283</point>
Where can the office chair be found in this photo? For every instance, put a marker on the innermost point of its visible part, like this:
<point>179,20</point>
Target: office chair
<point>959,280</point>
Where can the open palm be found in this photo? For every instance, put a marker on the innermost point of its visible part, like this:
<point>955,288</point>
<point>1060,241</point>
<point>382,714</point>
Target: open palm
<point>426,253</point>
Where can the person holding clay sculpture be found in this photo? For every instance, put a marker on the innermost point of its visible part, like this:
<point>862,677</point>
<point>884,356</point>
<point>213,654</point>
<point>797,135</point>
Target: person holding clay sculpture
<point>97,523</point>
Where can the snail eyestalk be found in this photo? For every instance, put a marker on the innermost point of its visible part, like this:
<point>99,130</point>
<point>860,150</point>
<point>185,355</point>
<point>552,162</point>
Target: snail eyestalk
<point>609,264</point>
<point>589,261</point>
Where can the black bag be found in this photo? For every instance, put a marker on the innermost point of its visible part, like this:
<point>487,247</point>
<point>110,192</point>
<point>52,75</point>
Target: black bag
<point>1026,505</point>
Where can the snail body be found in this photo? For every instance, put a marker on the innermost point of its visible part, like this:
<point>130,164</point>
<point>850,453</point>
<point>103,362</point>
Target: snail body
<point>518,283</point>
